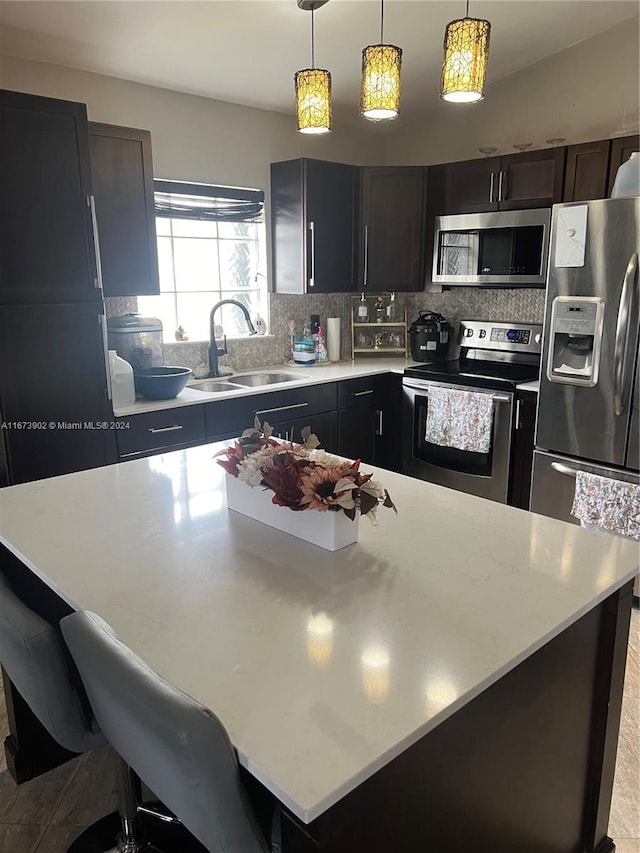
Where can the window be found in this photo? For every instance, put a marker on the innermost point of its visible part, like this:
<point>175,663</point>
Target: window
<point>211,246</point>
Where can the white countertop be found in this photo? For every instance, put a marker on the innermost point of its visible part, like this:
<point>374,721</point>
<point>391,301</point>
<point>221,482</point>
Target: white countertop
<point>323,666</point>
<point>307,376</point>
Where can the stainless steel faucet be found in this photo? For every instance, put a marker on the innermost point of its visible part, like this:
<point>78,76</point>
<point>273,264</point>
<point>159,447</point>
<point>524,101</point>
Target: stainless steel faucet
<point>214,350</point>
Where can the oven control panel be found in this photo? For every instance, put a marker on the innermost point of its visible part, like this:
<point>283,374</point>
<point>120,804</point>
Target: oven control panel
<point>510,337</point>
<point>516,336</point>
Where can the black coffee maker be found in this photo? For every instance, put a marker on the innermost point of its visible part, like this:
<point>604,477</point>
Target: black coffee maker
<point>429,335</point>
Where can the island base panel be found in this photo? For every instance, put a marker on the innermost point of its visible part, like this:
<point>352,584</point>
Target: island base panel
<point>523,767</point>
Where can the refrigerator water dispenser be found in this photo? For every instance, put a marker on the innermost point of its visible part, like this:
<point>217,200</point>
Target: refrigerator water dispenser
<point>575,340</point>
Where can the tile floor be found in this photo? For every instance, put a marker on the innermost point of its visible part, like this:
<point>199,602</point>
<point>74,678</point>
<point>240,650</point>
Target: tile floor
<point>46,814</point>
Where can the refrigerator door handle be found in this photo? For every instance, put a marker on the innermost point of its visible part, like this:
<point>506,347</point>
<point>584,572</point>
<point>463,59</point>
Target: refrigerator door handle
<point>622,334</point>
<point>564,469</point>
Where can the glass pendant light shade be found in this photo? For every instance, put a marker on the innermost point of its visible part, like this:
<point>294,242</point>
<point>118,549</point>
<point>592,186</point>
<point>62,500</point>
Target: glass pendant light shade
<point>380,89</point>
<point>313,100</point>
<point>464,68</point>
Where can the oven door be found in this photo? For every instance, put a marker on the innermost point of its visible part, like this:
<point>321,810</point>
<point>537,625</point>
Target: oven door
<point>482,474</point>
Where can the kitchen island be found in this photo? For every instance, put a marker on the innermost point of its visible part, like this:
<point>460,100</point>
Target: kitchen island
<point>450,682</point>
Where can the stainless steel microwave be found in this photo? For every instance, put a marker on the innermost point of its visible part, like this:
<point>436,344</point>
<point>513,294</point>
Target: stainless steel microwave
<point>501,249</point>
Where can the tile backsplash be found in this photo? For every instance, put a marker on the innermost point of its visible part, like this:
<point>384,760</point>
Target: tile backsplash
<point>462,303</point>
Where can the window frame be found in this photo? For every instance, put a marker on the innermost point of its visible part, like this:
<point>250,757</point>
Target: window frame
<point>253,215</point>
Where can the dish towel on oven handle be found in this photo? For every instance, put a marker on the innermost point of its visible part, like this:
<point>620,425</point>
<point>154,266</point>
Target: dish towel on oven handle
<point>459,419</point>
<point>601,503</point>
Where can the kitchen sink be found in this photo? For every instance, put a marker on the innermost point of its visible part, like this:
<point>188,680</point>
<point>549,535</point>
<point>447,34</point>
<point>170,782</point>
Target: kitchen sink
<point>252,380</point>
<point>247,380</point>
<point>214,385</point>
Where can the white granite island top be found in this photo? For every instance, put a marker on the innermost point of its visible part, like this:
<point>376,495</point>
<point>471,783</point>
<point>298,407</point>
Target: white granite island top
<point>323,666</point>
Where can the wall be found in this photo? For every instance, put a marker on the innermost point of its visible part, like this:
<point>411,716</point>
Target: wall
<point>199,139</point>
<point>589,91</point>
<point>194,138</point>
<point>586,92</point>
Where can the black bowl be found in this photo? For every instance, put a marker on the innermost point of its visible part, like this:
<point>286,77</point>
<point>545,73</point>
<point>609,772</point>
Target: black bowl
<point>160,383</point>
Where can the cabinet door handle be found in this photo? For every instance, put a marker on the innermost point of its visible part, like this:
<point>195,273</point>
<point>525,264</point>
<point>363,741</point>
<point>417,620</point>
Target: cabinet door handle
<point>500,179</point>
<point>493,178</point>
<point>362,393</point>
<point>97,281</point>
<point>379,427</point>
<point>281,409</point>
<point>165,429</point>
<point>312,234</point>
<point>366,256</point>
<point>518,424</point>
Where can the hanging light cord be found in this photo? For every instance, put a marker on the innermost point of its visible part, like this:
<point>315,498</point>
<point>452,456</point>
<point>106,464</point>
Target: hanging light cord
<point>313,55</point>
<point>381,21</point>
<point>467,14</point>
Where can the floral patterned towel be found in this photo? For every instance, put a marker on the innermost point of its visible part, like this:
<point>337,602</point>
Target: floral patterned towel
<point>604,504</point>
<point>460,419</point>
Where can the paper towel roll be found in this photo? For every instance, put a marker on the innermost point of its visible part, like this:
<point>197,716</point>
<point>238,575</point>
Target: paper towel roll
<point>333,338</point>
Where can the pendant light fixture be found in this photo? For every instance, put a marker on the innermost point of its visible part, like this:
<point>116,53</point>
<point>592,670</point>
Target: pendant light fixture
<point>380,87</point>
<point>464,68</point>
<point>313,86</point>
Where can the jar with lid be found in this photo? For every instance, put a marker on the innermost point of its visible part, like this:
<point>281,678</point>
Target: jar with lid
<point>380,311</point>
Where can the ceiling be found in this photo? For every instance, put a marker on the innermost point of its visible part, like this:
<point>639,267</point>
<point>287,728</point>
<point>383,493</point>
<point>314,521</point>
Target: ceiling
<point>246,51</point>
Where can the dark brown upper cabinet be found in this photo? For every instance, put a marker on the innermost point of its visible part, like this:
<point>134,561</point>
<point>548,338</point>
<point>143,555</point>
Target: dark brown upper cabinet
<point>592,166</point>
<point>531,179</point>
<point>621,149</point>
<point>392,223</point>
<point>47,252</point>
<point>122,172</point>
<point>587,170</point>
<point>314,211</point>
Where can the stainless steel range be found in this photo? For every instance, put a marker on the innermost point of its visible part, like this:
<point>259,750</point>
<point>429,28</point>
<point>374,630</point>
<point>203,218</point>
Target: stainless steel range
<point>494,359</point>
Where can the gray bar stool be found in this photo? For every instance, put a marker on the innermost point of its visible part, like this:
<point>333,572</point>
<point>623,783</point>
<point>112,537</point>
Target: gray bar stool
<point>33,656</point>
<point>36,660</point>
<point>179,748</point>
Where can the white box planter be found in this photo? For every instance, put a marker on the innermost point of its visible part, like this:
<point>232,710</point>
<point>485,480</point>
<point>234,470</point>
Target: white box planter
<point>329,530</point>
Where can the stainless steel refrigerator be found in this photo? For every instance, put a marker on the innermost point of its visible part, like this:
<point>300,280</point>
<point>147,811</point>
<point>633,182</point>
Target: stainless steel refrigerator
<point>589,403</point>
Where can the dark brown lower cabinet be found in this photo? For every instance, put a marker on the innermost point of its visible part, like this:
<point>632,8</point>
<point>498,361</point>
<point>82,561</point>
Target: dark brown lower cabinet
<point>369,420</point>
<point>324,425</point>
<point>53,391</point>
<point>228,418</point>
<point>522,450</point>
<point>160,432</point>
<point>357,418</point>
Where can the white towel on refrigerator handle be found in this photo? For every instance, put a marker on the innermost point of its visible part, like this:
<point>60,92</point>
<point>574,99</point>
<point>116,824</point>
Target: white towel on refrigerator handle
<point>459,419</point>
<point>602,503</point>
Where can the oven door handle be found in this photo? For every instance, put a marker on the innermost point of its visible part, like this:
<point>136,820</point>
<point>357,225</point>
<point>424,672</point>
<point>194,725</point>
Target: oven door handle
<point>497,398</point>
<point>564,469</point>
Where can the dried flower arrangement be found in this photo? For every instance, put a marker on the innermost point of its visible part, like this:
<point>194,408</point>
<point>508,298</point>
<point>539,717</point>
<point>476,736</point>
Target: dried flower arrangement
<point>301,476</point>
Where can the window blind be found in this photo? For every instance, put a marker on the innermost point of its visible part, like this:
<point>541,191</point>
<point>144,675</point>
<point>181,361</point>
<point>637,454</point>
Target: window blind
<point>177,200</point>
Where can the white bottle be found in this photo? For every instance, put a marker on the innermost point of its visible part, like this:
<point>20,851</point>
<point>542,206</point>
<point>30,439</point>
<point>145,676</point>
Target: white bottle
<point>123,391</point>
<point>627,182</point>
